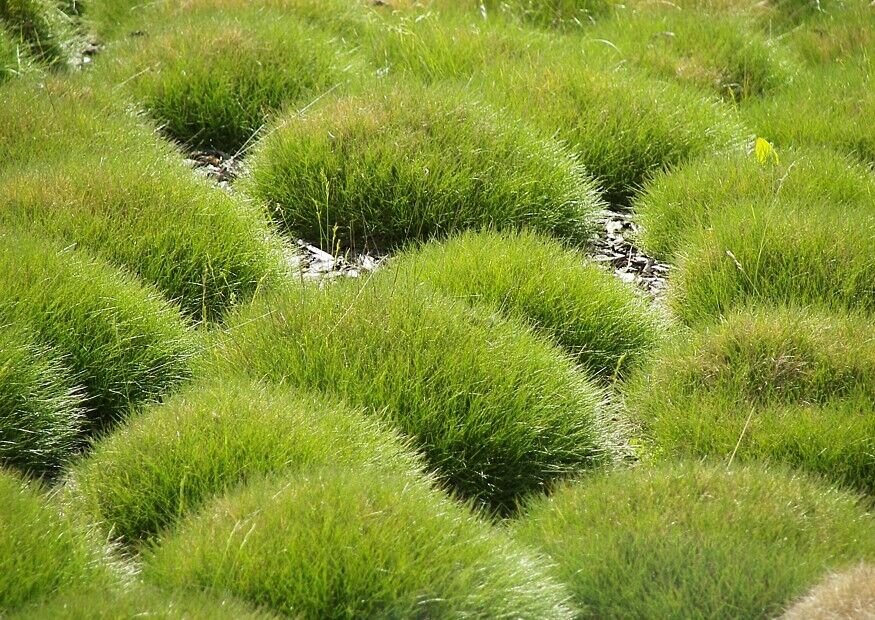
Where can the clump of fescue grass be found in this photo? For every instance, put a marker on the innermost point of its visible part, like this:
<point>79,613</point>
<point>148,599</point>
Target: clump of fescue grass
<point>123,341</point>
<point>843,31</point>
<point>684,200</point>
<point>41,26</point>
<point>13,60</point>
<point>782,385</point>
<point>141,602</point>
<point>498,412</point>
<point>212,78</point>
<point>42,552</point>
<point>343,543</point>
<point>605,324</point>
<point>215,436</point>
<point>401,165</point>
<point>560,14</point>
<point>777,254</point>
<point>41,411</point>
<point>693,541</point>
<point>848,594</point>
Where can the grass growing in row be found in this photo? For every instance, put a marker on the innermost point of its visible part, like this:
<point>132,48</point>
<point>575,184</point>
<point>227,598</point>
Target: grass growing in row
<point>400,165</point>
<point>847,594</point>
<point>778,254</point>
<point>41,412</point>
<point>212,78</point>
<point>791,386</point>
<point>497,412</point>
<point>41,551</point>
<point>41,26</point>
<point>168,461</point>
<point>343,543</point>
<point>123,341</point>
<point>605,324</point>
<point>690,541</point>
<point>677,203</point>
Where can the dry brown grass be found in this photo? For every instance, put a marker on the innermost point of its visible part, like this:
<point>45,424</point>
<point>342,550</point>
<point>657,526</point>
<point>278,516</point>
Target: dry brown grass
<point>849,595</point>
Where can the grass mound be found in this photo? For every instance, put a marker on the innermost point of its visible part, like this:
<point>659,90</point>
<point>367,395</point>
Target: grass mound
<point>498,412</point>
<point>684,200</point>
<point>123,341</point>
<point>791,385</point>
<point>347,544</point>
<point>41,25</point>
<point>849,594</point>
<point>602,322</point>
<point>168,461</point>
<point>41,552</point>
<point>688,541</point>
<point>781,254</point>
<point>40,408</point>
<point>383,169</point>
<point>212,78</point>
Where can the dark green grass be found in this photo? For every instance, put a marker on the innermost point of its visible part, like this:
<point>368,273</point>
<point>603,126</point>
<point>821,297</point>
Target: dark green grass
<point>41,411</point>
<point>395,166</point>
<point>13,59</point>
<point>212,78</point>
<point>605,324</point>
<point>140,602</point>
<point>41,26</point>
<point>791,385</point>
<point>677,204</point>
<point>558,14</point>
<point>213,437</point>
<point>690,541</point>
<point>498,412</point>
<point>777,254</point>
<point>42,552</point>
<point>123,341</point>
<point>345,543</point>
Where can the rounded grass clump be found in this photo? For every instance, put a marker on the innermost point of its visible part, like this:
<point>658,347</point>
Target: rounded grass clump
<point>498,412</point>
<point>42,552</point>
<point>213,78</point>
<point>777,254</point>
<point>680,202</point>
<point>694,541</point>
<point>848,594</point>
<point>41,26</point>
<point>201,443</point>
<point>41,410</point>
<point>402,165</point>
<point>204,249</point>
<point>123,341</point>
<point>605,324</point>
<point>784,385</point>
<point>343,543</point>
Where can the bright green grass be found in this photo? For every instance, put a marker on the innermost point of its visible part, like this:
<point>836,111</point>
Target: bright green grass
<point>40,407</point>
<point>843,31</point>
<point>172,458</point>
<point>791,385</point>
<point>125,343</point>
<point>212,78</point>
<point>605,324</point>
<point>690,541</point>
<point>343,543</point>
<point>41,551</point>
<point>560,14</point>
<point>498,412</point>
<point>394,166</point>
<point>140,602</point>
<point>13,59</point>
<point>777,254</point>
<point>677,204</point>
<point>41,26</point>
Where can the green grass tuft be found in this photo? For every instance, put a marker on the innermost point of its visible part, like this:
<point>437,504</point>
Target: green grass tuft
<point>381,170</point>
<point>123,341</point>
<point>690,541</point>
<point>777,254</point>
<point>41,411</point>
<point>498,412</point>
<point>41,26</point>
<point>41,551</point>
<point>352,544</point>
<point>677,204</point>
<point>605,324</point>
<point>13,60</point>
<point>791,386</point>
<point>168,461</point>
